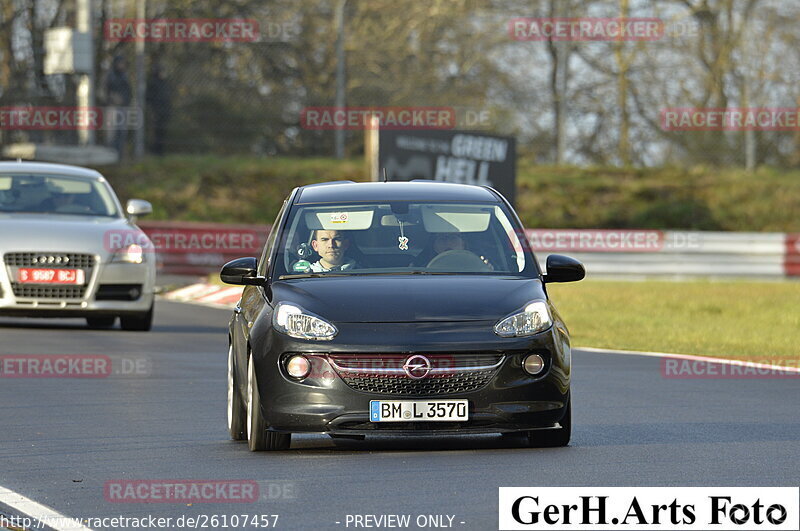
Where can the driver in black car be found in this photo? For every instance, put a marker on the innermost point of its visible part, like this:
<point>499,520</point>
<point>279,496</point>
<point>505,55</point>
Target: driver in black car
<point>331,246</point>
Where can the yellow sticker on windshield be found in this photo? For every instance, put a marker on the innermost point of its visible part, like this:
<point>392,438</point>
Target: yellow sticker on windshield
<point>338,217</point>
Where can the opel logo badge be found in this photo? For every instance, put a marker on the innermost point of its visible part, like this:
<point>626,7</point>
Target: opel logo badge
<point>417,367</point>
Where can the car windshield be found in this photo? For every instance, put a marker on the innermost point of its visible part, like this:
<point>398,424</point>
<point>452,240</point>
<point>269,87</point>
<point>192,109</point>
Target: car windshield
<point>55,194</point>
<point>401,238</point>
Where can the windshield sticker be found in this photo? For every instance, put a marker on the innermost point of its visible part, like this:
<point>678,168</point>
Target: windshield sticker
<point>303,266</point>
<point>339,220</point>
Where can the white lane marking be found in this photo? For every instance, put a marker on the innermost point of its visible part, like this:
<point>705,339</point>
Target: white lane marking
<point>46,515</point>
<point>723,361</point>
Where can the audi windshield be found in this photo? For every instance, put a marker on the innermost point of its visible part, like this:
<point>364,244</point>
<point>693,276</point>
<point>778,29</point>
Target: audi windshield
<point>52,194</point>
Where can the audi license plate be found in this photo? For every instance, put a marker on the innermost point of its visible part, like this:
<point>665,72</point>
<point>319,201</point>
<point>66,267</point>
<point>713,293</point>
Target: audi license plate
<point>418,410</point>
<point>36,275</point>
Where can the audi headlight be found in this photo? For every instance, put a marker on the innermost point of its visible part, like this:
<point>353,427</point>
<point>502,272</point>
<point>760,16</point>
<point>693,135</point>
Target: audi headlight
<point>296,322</point>
<point>131,254</point>
<point>534,318</point>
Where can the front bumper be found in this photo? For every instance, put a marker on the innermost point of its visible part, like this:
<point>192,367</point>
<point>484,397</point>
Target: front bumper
<point>511,401</point>
<point>86,304</point>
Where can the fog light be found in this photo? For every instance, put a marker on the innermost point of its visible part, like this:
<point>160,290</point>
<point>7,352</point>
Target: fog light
<point>298,367</point>
<point>533,364</point>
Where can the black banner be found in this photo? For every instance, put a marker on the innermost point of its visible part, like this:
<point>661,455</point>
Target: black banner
<point>465,157</point>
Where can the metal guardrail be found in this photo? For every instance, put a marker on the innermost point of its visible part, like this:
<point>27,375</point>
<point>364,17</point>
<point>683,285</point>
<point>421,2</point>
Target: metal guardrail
<point>202,248</point>
<point>672,253</point>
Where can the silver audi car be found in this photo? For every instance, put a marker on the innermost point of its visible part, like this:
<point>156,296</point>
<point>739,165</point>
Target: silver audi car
<point>69,250</point>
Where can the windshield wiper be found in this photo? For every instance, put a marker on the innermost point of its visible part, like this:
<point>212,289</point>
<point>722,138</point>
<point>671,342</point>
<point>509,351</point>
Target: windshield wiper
<point>312,275</point>
<point>51,213</point>
<point>373,274</point>
<point>384,273</point>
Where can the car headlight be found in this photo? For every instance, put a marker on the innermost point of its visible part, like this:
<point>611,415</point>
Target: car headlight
<point>298,323</point>
<point>534,318</point>
<point>132,254</point>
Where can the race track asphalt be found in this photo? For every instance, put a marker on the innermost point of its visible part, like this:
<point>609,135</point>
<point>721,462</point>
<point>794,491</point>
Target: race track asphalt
<point>63,439</point>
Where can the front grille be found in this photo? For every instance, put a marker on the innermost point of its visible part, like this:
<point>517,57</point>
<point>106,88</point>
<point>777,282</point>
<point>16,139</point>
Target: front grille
<point>50,260</point>
<point>403,385</point>
<point>384,374</point>
<point>48,292</point>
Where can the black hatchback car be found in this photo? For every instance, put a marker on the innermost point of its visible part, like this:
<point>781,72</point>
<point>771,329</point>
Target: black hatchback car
<point>397,308</point>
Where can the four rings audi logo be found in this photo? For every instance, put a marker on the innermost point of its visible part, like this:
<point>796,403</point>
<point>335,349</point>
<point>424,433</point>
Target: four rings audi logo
<point>417,367</point>
<point>50,259</point>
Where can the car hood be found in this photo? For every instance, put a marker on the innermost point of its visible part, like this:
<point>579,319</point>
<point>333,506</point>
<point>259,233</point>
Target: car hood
<point>58,233</point>
<point>383,299</point>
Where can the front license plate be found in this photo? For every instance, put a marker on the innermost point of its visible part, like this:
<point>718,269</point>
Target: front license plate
<point>35,275</point>
<point>418,410</point>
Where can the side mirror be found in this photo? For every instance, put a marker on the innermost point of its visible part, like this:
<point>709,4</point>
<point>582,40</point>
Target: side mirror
<point>138,207</point>
<point>241,272</point>
<point>563,269</point>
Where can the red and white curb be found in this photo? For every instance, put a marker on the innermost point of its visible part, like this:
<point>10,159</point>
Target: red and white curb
<point>207,295</point>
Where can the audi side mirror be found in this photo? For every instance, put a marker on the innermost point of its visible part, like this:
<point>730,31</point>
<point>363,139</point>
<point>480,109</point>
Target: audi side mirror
<point>138,207</point>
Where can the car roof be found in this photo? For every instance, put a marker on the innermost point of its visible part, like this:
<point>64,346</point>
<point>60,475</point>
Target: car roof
<point>418,190</point>
<point>48,168</point>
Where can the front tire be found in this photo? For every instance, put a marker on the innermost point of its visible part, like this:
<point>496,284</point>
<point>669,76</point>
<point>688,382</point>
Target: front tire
<point>237,414</point>
<point>553,438</point>
<point>258,437</point>
<point>140,322</point>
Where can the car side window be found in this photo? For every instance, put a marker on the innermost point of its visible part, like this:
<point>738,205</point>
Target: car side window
<point>266,255</point>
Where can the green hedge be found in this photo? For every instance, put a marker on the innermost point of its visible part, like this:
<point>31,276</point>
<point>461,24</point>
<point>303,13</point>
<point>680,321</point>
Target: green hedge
<point>250,190</point>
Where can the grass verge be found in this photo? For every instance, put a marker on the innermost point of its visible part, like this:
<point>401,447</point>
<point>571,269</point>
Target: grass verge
<point>251,190</point>
<point>755,321</point>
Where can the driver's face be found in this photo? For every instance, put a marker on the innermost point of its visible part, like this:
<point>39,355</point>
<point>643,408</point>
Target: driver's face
<point>330,245</point>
